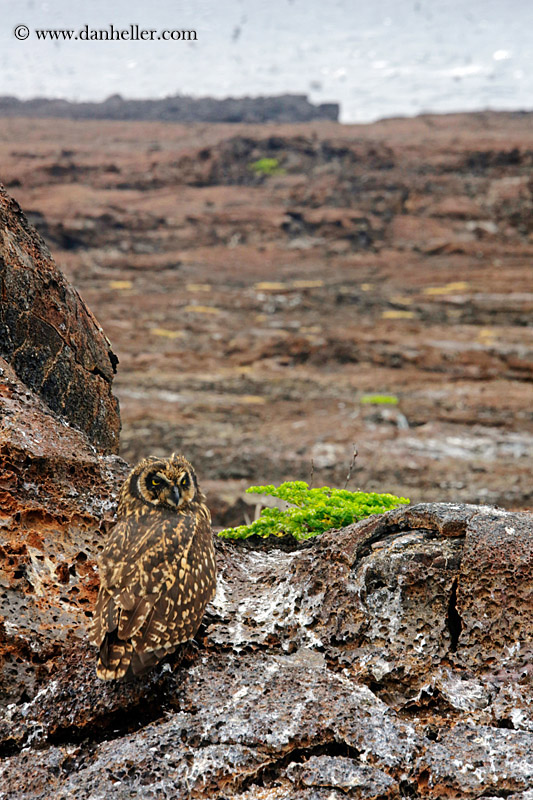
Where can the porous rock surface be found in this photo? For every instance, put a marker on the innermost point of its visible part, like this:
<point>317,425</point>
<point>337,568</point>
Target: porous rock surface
<point>49,336</point>
<point>57,495</point>
<point>388,659</point>
<point>58,480</point>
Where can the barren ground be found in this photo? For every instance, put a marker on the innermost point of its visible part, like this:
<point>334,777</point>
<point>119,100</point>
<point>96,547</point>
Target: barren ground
<point>253,315</point>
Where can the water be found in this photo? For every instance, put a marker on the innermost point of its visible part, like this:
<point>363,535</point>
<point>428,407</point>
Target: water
<point>378,59</point>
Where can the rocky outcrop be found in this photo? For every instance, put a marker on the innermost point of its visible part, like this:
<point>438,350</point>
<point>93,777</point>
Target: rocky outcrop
<point>389,659</point>
<point>56,498</point>
<point>58,480</point>
<point>49,336</point>
<point>282,108</point>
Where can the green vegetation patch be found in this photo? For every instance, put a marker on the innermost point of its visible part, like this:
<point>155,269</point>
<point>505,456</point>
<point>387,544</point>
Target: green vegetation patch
<point>266,166</point>
<point>379,399</point>
<point>312,511</point>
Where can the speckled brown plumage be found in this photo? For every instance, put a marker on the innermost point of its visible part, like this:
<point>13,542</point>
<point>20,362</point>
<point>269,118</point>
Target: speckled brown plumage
<point>157,570</point>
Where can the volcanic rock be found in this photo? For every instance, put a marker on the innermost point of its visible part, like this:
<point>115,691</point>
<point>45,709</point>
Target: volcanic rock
<point>389,659</point>
<point>58,481</point>
<point>49,336</point>
<point>57,495</point>
<point>350,667</point>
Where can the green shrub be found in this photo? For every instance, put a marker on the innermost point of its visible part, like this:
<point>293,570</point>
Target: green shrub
<point>314,511</point>
<point>266,166</point>
<point>379,399</point>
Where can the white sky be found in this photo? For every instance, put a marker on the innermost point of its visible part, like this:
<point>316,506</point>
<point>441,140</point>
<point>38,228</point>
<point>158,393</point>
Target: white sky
<point>379,58</point>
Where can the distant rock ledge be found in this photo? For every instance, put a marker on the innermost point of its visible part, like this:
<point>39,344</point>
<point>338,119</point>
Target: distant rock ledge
<point>283,108</point>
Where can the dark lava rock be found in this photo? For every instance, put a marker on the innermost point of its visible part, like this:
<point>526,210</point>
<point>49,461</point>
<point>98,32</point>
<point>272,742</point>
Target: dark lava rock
<point>50,337</point>
<point>282,108</point>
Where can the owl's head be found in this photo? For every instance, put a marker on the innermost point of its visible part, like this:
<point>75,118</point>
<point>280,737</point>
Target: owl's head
<point>169,483</point>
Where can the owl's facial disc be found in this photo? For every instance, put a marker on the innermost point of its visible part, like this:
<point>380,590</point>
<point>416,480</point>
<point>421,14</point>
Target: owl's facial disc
<point>156,485</point>
<point>173,490</point>
<point>182,491</point>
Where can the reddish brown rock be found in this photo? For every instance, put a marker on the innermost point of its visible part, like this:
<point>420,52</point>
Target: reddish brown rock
<point>58,419</point>
<point>495,597</point>
<point>56,496</point>
<point>52,340</point>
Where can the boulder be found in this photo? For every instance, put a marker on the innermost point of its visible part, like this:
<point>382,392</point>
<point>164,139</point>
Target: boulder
<point>59,425</point>
<point>50,337</point>
<point>57,495</point>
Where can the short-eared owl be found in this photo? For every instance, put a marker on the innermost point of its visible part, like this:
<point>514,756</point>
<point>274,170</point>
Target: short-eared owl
<point>157,569</point>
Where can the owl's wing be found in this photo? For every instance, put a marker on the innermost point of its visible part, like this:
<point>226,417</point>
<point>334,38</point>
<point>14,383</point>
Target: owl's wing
<point>140,559</point>
<point>177,614</point>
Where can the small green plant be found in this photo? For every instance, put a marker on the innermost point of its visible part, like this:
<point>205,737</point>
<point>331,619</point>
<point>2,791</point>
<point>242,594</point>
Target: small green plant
<point>266,166</point>
<point>312,511</point>
<point>379,399</point>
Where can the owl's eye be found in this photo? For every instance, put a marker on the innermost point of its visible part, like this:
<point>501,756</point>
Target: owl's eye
<point>184,481</point>
<point>155,481</point>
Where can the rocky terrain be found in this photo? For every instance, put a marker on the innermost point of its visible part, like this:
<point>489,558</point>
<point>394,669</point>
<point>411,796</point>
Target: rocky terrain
<point>260,284</point>
<point>59,426</point>
<point>385,664</point>
<point>388,659</point>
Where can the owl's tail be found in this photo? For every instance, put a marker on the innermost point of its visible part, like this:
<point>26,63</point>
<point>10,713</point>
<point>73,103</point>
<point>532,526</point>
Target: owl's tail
<point>115,658</point>
<point>119,661</point>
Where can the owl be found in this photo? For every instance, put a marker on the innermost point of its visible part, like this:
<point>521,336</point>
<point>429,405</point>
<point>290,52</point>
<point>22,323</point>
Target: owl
<point>157,569</point>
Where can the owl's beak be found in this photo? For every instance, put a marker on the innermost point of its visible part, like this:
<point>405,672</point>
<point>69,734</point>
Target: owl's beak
<point>175,495</point>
